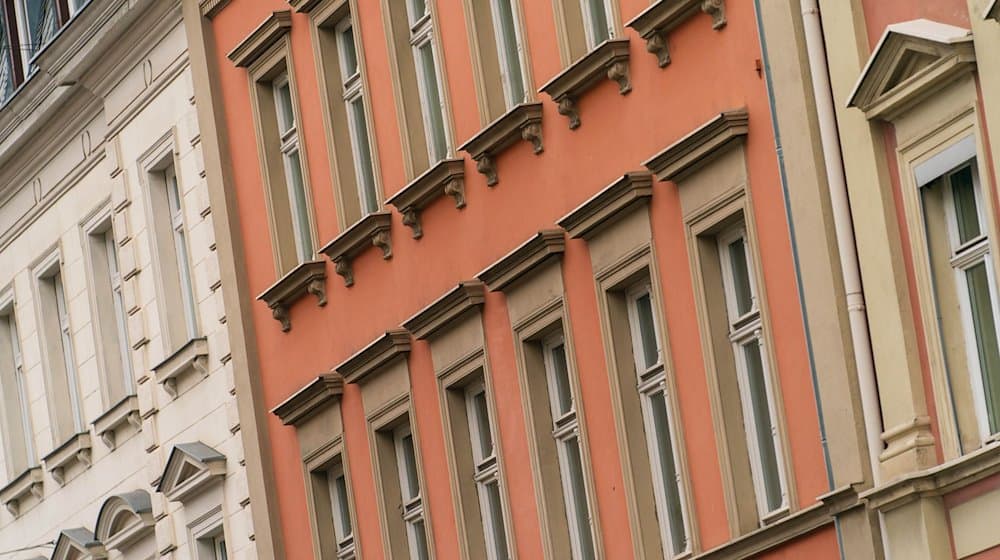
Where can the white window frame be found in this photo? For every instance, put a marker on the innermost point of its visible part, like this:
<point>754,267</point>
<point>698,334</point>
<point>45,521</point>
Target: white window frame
<point>588,21</point>
<point>353,94</point>
<point>288,138</point>
<point>29,49</point>
<point>118,300</point>
<point>175,205</point>
<point>219,550</point>
<point>23,404</point>
<point>744,329</point>
<point>565,428</point>
<point>66,346</point>
<point>651,381</point>
<point>421,35</point>
<point>340,508</point>
<point>411,498</point>
<point>486,472</point>
<point>510,96</point>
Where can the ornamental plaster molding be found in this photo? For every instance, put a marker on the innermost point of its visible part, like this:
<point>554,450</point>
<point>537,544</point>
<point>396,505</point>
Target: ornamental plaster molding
<point>655,23</point>
<point>446,178</point>
<point>609,60</point>
<point>74,451</point>
<point>521,122</point>
<point>28,483</point>
<point>316,394</point>
<point>260,39</point>
<point>188,359</point>
<point>124,413</point>
<point>393,345</point>
<point>445,310</point>
<point>306,278</point>
<point>371,231</point>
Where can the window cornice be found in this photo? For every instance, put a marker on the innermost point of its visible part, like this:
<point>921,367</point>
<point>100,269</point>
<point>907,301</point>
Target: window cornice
<point>522,122</point>
<point>446,178</point>
<point>78,543</point>
<point>206,467</point>
<point>260,39</point>
<point>372,230</point>
<point>320,392</point>
<point>699,147</point>
<point>446,309</point>
<point>608,206</point>
<point>609,60</point>
<point>524,260</point>
<point>211,8</point>
<point>656,22</point>
<point>392,345</point>
<point>306,278</point>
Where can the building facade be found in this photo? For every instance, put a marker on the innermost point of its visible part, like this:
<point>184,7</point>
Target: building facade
<point>121,437</point>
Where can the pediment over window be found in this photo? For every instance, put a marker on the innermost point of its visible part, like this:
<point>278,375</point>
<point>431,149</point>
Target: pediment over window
<point>994,11</point>
<point>912,61</point>
<point>125,519</point>
<point>191,469</point>
<point>78,544</point>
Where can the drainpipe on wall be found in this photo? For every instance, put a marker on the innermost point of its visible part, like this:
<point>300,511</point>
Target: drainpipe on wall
<point>844,227</point>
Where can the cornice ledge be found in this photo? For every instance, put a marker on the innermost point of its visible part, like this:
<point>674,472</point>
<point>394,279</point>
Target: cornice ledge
<point>993,11</point>
<point>446,178</point>
<point>372,230</point>
<point>306,278</point>
<point>28,482</point>
<point>610,205</point>
<point>190,358</point>
<point>386,348</point>
<point>443,312</point>
<point>656,22</point>
<point>699,147</point>
<point>525,259</point>
<point>257,42</point>
<point>942,479</point>
<point>789,527</point>
<point>608,60</point>
<point>125,411</point>
<point>211,8</point>
<point>74,450</point>
<point>522,122</point>
<point>305,6</point>
<point>318,393</point>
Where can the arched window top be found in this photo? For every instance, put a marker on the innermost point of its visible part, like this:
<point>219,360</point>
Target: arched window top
<point>124,519</point>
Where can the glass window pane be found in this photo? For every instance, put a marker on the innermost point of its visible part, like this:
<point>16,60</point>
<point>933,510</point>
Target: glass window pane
<point>481,413</point>
<point>419,541</point>
<point>647,331</point>
<point>187,286</point>
<point>964,196</point>
<point>41,23</point>
<point>496,519</point>
<point>412,489</point>
<point>341,508</point>
<point>418,8</point>
<point>283,101</point>
<point>300,208</point>
<point>741,276</point>
<point>507,36</point>
<point>984,324</point>
<point>433,119</point>
<point>598,21</point>
<point>348,52</point>
<point>560,380</point>
<point>6,61</point>
<point>580,516</point>
<point>762,424</point>
<point>664,456</point>
<point>363,158</point>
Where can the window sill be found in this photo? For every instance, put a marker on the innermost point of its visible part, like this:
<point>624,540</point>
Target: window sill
<point>372,230</point>
<point>522,122</point>
<point>76,450</point>
<point>27,483</point>
<point>609,60</point>
<point>190,358</point>
<point>446,178</point>
<point>125,412</point>
<point>306,278</point>
<point>609,205</point>
<point>658,20</point>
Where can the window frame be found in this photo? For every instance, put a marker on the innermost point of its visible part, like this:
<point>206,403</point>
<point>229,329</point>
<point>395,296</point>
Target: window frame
<point>422,35</point>
<point>412,499</point>
<point>182,249</point>
<point>340,507</point>
<point>16,464</point>
<point>503,57</point>
<point>574,27</point>
<point>486,470</point>
<point>353,94</point>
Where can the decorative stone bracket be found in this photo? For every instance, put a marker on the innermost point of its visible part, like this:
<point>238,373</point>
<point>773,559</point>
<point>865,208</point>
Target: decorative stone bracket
<point>608,60</point>
<point>190,358</point>
<point>126,412</point>
<point>306,278</point>
<point>372,230</point>
<point>28,482</point>
<point>523,122</point>
<point>76,450</point>
<point>656,22</point>
<point>446,178</point>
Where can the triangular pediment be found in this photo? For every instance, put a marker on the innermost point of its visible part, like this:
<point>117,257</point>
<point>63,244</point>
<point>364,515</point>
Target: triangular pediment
<point>78,544</point>
<point>912,60</point>
<point>190,470</point>
<point>125,519</point>
<point>993,11</point>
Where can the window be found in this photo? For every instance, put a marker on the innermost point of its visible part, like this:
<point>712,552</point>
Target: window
<point>584,24</point>
<point>219,548</point>
<point>428,81</point>
<point>566,433</point>
<point>409,485</point>
<point>486,470</point>
<point>289,142</point>
<point>57,337</point>
<point>26,27</point>
<point>596,21</point>
<point>111,324</point>
<point>341,510</point>
<point>756,395</point>
<point>10,64</point>
<point>38,20</point>
<point>19,443</point>
<point>510,49</point>
<point>658,421</point>
<point>350,70</point>
<point>180,253</point>
<point>961,260</point>
<point>497,42</point>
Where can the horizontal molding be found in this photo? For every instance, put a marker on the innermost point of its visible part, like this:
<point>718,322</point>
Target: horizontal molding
<point>610,205</point>
<point>655,23</point>
<point>318,393</point>
<point>522,261</point>
<point>124,412</point>
<point>75,450</point>
<point>446,309</point>
<point>188,359</point>
<point>257,42</point>
<point>388,347</point>
<point>27,483</point>
<point>700,146</point>
<point>521,122</point>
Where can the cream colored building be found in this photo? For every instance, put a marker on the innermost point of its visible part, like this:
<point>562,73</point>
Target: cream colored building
<point>121,437</point>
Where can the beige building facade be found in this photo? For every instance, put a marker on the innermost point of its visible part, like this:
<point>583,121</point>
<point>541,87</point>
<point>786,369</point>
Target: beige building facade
<point>121,436</point>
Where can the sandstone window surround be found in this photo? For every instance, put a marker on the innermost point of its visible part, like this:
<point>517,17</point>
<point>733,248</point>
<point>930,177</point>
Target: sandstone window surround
<point>500,58</point>
<point>381,371</point>
<point>78,543</point>
<point>709,168</point>
<point>125,522</point>
<point>22,491</point>
<point>374,230</point>
<point>266,55</point>
<point>306,278</point>
<point>16,427</point>
<point>189,359</point>
<point>191,470</point>
<point>452,325</point>
<point>343,80</point>
<point>609,60</point>
<point>521,122</point>
<point>655,23</point>
<point>616,226</point>
<point>446,178</point>
<point>531,278</point>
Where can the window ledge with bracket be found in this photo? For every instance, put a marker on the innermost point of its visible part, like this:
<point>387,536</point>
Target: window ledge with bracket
<point>190,358</point>
<point>609,60</point>
<point>124,413</point>
<point>656,22</point>
<point>27,483</point>
<point>371,231</point>
<point>446,178</point>
<point>74,451</point>
<point>306,278</point>
<point>522,122</point>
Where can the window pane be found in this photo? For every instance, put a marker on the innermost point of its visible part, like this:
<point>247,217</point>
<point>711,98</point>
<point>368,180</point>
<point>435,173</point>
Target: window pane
<point>412,489</point>
<point>66,342</point>
<point>647,331</point>
<point>417,10</point>
<point>363,157</point>
<point>187,286</point>
<point>283,101</point>
<point>300,209</point>
<point>121,319</point>
<point>496,519</point>
<point>6,61</point>
<point>580,516</point>
<point>433,119</point>
<point>598,21</point>
<point>348,52</point>
<point>560,380</point>
<point>341,507</point>
<point>981,302</point>
<point>419,541</point>
<point>481,413</point>
<point>762,424</point>
<point>41,21</point>
<point>741,276</point>
<point>966,214</point>
<point>507,35</point>
<point>664,456</point>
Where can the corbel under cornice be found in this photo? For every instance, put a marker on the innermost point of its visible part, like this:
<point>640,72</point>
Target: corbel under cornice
<point>371,231</point>
<point>306,278</point>
<point>609,60</point>
<point>655,23</point>
<point>521,122</point>
<point>446,178</point>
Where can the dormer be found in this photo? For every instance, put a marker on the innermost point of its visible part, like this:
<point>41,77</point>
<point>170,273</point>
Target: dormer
<point>912,61</point>
<point>191,469</point>
<point>125,520</point>
<point>78,544</point>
